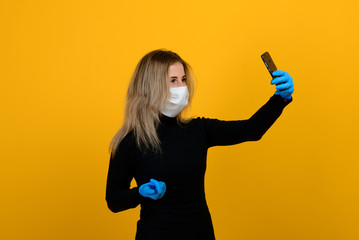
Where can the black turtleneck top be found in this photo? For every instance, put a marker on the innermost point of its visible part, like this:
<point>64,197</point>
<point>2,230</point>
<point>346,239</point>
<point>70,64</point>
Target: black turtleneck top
<point>182,213</point>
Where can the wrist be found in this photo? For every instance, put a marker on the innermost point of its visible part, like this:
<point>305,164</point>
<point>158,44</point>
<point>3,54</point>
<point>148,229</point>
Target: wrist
<point>286,97</point>
<point>140,190</point>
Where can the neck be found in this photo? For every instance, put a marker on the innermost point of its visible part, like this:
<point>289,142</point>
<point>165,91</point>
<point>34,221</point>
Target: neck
<point>166,119</point>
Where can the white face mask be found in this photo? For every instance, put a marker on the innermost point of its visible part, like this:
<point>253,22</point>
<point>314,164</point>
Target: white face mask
<point>177,102</point>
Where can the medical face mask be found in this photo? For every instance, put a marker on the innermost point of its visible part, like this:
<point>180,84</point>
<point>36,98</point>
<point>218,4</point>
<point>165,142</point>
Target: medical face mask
<point>177,102</point>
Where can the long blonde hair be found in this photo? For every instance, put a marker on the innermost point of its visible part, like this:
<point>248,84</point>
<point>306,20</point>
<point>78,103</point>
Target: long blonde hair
<point>147,92</point>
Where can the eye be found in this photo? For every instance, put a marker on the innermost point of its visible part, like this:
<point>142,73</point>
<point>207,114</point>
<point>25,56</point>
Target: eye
<point>184,79</point>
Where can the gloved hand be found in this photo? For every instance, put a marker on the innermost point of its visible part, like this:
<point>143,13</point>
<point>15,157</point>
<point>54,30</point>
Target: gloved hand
<point>284,84</point>
<point>153,189</point>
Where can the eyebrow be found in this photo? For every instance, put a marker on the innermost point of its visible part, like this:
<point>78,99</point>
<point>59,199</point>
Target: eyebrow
<point>176,76</point>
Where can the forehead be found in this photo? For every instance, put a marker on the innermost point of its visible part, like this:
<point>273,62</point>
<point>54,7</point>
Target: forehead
<point>176,69</point>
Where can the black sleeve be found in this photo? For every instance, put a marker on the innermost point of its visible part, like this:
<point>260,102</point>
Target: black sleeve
<point>219,133</point>
<point>119,196</point>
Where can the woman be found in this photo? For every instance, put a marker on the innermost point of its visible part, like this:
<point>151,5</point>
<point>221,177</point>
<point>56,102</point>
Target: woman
<point>166,154</point>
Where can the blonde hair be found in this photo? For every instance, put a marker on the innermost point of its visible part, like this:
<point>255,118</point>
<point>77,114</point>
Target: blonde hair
<point>147,92</point>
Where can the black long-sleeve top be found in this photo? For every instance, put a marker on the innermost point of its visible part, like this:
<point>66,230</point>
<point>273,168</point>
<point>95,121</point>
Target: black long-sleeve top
<point>182,213</point>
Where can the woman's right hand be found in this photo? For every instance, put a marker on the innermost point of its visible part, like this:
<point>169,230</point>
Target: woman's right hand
<point>153,189</point>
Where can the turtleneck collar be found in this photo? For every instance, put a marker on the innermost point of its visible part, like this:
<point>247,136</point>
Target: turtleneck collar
<point>167,120</point>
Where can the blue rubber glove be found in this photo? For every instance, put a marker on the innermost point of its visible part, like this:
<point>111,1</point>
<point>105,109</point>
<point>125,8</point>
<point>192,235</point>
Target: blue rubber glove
<point>153,189</point>
<point>284,84</point>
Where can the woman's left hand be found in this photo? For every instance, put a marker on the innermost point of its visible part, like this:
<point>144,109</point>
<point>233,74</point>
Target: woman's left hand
<point>153,189</point>
<point>284,84</point>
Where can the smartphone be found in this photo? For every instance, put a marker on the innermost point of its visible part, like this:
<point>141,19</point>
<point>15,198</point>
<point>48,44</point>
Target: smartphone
<point>268,61</point>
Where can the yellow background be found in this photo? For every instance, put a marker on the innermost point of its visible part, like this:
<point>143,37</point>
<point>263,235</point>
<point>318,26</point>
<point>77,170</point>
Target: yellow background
<point>64,71</point>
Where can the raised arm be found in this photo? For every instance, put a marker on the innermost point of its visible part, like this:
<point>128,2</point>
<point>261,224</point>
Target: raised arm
<point>233,132</point>
<point>219,133</point>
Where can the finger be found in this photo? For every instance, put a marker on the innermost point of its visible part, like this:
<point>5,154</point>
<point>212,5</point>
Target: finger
<point>148,189</point>
<point>161,192</point>
<point>156,184</point>
<point>278,73</point>
<point>287,91</point>
<point>279,80</point>
<point>163,187</point>
<point>153,180</point>
<point>284,86</point>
